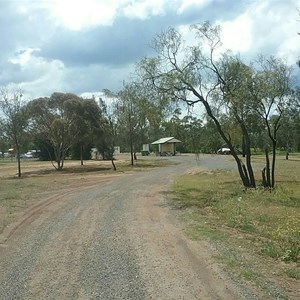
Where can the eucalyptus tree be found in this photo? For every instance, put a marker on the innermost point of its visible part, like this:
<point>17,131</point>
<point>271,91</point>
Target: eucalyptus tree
<point>210,138</point>
<point>139,112</point>
<point>289,131</point>
<point>187,129</point>
<point>294,112</point>
<point>15,119</point>
<point>90,122</point>
<point>106,143</point>
<point>270,91</point>
<point>4,145</point>
<point>173,126</point>
<point>58,121</point>
<point>223,84</point>
<point>128,117</point>
<point>234,97</point>
<point>192,74</point>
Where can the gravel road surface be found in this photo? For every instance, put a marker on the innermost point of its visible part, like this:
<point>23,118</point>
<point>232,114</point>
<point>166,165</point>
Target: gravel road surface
<point>116,240</point>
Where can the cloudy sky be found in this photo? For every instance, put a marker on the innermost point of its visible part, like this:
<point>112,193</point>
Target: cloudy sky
<point>85,46</point>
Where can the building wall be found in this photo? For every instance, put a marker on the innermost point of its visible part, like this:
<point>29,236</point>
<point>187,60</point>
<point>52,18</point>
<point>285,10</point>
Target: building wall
<point>167,148</point>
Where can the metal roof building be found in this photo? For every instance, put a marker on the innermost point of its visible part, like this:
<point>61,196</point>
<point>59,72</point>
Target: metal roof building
<point>166,146</point>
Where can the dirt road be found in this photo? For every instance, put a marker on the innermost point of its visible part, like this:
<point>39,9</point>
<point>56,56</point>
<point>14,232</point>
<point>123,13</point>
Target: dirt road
<point>115,240</point>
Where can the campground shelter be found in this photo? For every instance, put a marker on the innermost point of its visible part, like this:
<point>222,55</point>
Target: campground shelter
<point>166,146</point>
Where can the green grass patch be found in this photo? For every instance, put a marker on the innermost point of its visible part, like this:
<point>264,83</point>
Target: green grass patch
<point>198,229</point>
<point>10,195</point>
<point>261,225</point>
<point>293,273</point>
<point>273,216</point>
<point>249,275</point>
<point>270,250</point>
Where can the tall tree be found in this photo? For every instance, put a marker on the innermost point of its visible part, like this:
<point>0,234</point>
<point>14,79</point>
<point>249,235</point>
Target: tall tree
<point>15,119</point>
<point>270,94</point>
<point>235,77</point>
<point>57,121</point>
<point>219,81</point>
<point>140,112</point>
<point>126,110</point>
<point>192,75</point>
<point>90,124</point>
<point>106,144</point>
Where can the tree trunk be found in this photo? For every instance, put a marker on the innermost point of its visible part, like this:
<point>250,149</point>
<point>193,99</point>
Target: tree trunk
<point>267,169</point>
<point>19,163</point>
<point>273,163</point>
<point>113,164</point>
<point>242,171</point>
<point>248,180</point>
<point>243,146</point>
<point>18,157</point>
<point>248,159</point>
<point>287,153</point>
<point>264,179</point>
<point>60,160</point>
<point>81,153</point>
<point>131,149</point>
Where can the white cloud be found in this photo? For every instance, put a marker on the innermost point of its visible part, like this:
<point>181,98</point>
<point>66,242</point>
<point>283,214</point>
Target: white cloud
<point>267,27</point>
<point>144,9</point>
<point>49,81</point>
<point>23,57</point>
<point>42,76</point>
<point>186,4</point>
<point>237,34</point>
<point>77,14</point>
<point>290,50</point>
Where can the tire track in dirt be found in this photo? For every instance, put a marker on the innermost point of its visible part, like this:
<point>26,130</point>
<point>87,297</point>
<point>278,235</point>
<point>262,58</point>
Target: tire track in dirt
<point>33,211</point>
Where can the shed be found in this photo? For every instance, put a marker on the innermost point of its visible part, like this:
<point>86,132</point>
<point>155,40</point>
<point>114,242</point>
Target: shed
<point>166,146</point>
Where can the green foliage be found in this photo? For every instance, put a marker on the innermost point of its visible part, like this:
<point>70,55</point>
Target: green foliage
<point>106,143</point>
<point>293,273</point>
<point>14,125</point>
<point>63,120</point>
<point>76,153</point>
<point>46,149</point>
<point>139,113</point>
<point>287,237</point>
<point>187,129</point>
<point>270,250</point>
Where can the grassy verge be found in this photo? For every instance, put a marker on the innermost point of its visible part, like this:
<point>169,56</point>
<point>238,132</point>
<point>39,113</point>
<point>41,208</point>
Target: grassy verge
<point>256,232</point>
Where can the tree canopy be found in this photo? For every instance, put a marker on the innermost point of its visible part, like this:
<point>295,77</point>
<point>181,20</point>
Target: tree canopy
<point>15,121</point>
<point>63,120</point>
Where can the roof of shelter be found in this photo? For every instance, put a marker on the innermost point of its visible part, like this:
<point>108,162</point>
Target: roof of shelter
<point>166,140</point>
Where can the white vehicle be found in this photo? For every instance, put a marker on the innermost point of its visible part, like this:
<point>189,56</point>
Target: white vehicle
<point>224,151</point>
<point>32,154</point>
<point>29,155</point>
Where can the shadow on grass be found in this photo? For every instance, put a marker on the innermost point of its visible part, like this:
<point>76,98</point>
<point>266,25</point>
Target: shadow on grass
<point>67,170</point>
<point>190,198</point>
